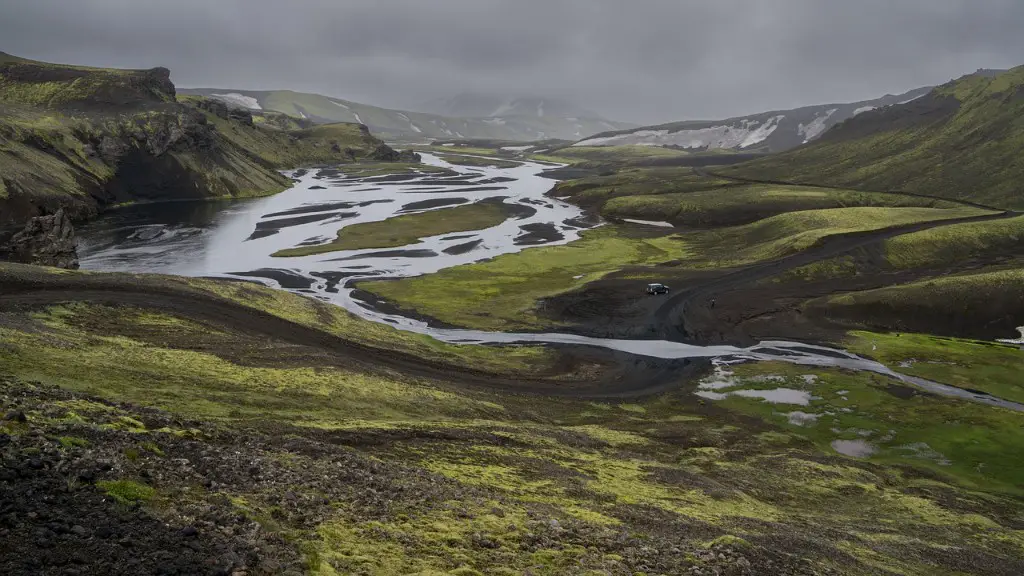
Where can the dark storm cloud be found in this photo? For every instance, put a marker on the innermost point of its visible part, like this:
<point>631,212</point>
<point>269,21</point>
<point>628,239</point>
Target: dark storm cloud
<point>644,60</point>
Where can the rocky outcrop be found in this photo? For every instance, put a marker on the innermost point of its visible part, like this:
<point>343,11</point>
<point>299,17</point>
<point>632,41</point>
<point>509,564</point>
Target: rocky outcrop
<point>46,240</point>
<point>385,153</point>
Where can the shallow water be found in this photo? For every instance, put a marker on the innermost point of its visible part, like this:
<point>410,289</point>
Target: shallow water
<point>236,239</point>
<point>853,448</point>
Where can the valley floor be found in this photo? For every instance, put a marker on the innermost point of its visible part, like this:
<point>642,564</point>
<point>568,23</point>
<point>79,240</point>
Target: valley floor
<point>250,430</point>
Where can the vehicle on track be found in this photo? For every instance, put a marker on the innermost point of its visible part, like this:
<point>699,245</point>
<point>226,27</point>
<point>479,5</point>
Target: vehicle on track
<point>656,289</point>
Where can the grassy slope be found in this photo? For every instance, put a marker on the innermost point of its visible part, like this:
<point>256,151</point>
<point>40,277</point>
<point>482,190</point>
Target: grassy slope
<point>959,298</point>
<point>407,229</point>
<point>553,486</point>
<point>971,152</point>
<point>956,244</point>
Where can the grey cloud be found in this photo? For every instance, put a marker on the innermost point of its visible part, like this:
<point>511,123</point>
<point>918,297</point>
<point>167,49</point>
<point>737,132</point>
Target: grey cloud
<point>646,60</point>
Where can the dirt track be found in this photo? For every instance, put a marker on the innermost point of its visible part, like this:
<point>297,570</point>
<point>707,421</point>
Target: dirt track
<point>623,375</point>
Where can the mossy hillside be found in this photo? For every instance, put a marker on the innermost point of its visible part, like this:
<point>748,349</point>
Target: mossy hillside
<point>595,191</point>
<point>994,369</point>
<point>518,360</point>
<point>748,203</point>
<point>198,382</point>
<point>408,229</point>
<point>956,244</point>
<point>950,303</point>
<point>793,232</point>
<point>961,142</point>
<point>527,483</point>
<point>502,293</point>
<point>53,85</point>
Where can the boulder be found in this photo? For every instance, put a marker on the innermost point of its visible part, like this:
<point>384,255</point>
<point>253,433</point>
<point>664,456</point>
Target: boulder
<point>46,240</point>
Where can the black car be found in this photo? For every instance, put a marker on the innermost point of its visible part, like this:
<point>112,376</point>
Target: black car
<point>656,289</point>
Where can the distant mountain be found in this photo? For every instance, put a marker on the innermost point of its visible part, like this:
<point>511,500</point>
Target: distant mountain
<point>766,132</point>
<point>517,120</point>
<point>473,105</point>
<point>962,140</point>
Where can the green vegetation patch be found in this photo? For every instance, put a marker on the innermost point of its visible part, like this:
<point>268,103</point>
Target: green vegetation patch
<point>744,204</point>
<point>502,294</point>
<point>71,354</point>
<point>408,229</point>
<point>796,231</point>
<point>956,243</point>
<point>991,368</point>
<point>893,422</point>
<point>127,491</point>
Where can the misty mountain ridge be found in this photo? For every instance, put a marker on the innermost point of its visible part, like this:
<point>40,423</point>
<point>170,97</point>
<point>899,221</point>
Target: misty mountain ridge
<point>962,141</point>
<point>479,105</point>
<point>773,131</point>
<point>523,119</point>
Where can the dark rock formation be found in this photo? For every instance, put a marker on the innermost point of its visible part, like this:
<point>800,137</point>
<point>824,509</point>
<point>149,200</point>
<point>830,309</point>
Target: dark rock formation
<point>385,153</point>
<point>46,240</point>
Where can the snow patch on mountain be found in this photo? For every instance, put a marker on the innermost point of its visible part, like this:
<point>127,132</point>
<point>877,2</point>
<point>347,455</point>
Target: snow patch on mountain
<point>912,99</point>
<point>415,128</point>
<point>815,127</point>
<point>358,119</point>
<point>239,100</point>
<point>340,104</point>
<point>863,109</point>
<point>746,134</point>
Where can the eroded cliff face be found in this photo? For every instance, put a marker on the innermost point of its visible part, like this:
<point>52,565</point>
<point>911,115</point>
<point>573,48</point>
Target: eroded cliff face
<point>76,140</point>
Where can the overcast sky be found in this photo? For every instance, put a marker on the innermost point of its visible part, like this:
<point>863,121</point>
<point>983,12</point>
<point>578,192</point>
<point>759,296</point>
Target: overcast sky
<point>633,60</point>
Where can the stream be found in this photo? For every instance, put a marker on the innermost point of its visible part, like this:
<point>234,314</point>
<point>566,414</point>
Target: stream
<point>235,239</point>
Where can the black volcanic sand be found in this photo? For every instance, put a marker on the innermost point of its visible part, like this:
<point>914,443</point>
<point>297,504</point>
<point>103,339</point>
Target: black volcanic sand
<point>423,253</point>
<point>460,190</point>
<point>390,178</point>
<point>334,279</point>
<point>318,188</point>
<point>497,180</point>
<point>434,203</point>
<point>310,208</point>
<point>314,241</point>
<point>269,228</point>
<point>540,233</point>
<point>286,278</point>
<point>463,248</point>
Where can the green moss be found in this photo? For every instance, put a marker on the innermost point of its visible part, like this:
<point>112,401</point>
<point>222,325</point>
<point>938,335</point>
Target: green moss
<point>952,438</point>
<point>127,491</point>
<point>991,368</point>
<point>503,293</point>
<point>69,442</point>
<point>408,229</point>
<point>956,243</point>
